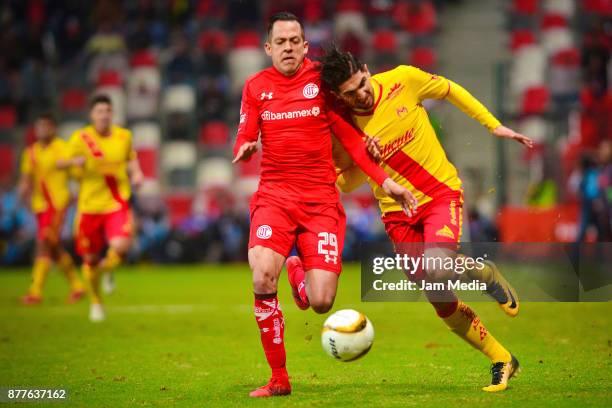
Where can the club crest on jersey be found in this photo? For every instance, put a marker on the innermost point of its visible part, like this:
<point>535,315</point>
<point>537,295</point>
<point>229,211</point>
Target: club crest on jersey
<point>310,91</point>
<point>266,95</point>
<point>264,232</point>
<point>401,110</point>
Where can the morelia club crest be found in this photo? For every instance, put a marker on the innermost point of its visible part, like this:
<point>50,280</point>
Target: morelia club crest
<point>310,91</point>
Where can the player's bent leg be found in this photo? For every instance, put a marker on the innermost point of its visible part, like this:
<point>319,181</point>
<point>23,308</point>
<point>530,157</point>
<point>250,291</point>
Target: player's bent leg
<point>92,277</point>
<point>40,270</point>
<point>297,281</point>
<point>321,287</point>
<point>117,250</point>
<point>66,264</point>
<point>266,265</point>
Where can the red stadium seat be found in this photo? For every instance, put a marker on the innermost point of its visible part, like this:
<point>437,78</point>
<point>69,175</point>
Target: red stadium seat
<point>535,100</point>
<point>550,21</point>
<point>8,117</point>
<point>109,78</point>
<point>417,19</point>
<point>143,58</point>
<point>348,5</point>
<point>73,100</point>
<point>30,135</point>
<point>148,159</point>
<point>528,7</point>
<point>213,41</point>
<point>179,207</point>
<point>424,58</point>
<point>567,58</point>
<point>7,161</point>
<point>214,134</point>
<point>602,7</point>
<point>521,38</point>
<point>384,41</point>
<point>246,39</point>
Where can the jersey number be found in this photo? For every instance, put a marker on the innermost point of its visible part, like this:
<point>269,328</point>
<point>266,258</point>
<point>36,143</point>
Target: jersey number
<point>328,246</point>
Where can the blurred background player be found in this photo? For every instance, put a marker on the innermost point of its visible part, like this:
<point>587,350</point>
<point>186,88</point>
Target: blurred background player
<point>389,106</point>
<point>50,196</point>
<point>104,153</point>
<point>297,202</point>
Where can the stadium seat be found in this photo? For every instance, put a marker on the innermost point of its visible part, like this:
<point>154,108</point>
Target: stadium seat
<point>564,73</point>
<point>143,87</point>
<point>535,127</point>
<point>527,7</point>
<point>214,172</point>
<point>521,38</point>
<point>73,101</point>
<point>246,39</point>
<point>8,117</point>
<point>178,163</point>
<point>242,63</point>
<point>179,207</point>
<point>213,41</point>
<point>109,78</point>
<point>148,158</point>
<point>67,128</point>
<point>143,59</point>
<point>528,68</point>
<point>557,39</point>
<point>214,134</point>
<point>7,162</point>
<point>179,98</point>
<point>424,58</point>
<point>566,8</point>
<point>552,21</point>
<point>384,41</point>
<point>535,101</point>
<point>146,134</point>
<point>416,18</point>
<point>350,21</point>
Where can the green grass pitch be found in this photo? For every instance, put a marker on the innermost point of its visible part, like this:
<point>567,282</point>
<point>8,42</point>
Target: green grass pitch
<point>186,336</point>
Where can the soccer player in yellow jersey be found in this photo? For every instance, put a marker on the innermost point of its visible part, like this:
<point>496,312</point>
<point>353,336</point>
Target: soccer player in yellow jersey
<point>48,186</point>
<point>388,107</point>
<point>107,163</point>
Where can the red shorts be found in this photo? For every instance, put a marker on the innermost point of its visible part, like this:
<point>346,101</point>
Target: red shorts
<point>49,225</point>
<point>436,223</point>
<point>315,229</point>
<point>94,231</point>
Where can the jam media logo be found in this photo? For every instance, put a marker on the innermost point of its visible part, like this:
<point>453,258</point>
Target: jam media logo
<point>310,91</point>
<point>264,232</point>
<point>394,91</point>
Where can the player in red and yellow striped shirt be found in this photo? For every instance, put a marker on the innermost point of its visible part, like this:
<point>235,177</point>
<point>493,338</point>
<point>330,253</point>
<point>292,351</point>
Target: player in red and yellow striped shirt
<point>388,106</point>
<point>50,196</point>
<point>107,163</point>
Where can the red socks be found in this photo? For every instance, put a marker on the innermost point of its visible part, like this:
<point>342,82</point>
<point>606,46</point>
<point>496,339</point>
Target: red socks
<point>272,330</point>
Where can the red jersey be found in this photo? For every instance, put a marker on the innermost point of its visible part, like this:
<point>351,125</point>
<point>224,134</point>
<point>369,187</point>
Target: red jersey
<point>296,122</point>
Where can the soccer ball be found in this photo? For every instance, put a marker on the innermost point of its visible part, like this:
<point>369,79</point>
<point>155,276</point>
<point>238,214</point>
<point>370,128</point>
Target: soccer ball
<point>347,335</point>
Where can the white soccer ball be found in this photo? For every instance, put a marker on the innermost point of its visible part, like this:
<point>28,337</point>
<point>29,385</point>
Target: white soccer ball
<point>347,335</point>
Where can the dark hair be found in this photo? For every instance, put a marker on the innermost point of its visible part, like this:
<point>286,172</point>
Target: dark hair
<point>337,66</point>
<point>100,98</point>
<point>284,16</point>
<point>47,116</point>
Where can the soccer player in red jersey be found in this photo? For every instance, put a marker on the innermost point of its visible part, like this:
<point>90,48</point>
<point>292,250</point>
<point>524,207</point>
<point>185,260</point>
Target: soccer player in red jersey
<point>297,201</point>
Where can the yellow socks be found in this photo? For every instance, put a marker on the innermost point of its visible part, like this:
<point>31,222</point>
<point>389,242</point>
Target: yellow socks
<point>67,265</point>
<point>110,261</point>
<point>92,276</point>
<point>42,265</point>
<point>468,326</point>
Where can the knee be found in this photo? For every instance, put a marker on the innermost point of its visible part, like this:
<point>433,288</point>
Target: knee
<point>265,280</point>
<point>322,304</point>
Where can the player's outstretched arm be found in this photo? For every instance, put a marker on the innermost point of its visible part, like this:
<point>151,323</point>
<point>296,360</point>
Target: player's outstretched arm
<point>76,161</point>
<point>507,133</point>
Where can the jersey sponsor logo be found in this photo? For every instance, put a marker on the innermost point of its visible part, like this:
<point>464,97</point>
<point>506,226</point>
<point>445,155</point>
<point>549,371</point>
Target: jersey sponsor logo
<point>264,231</point>
<point>304,113</point>
<point>445,232</point>
<point>310,91</point>
<point>390,148</point>
<point>394,91</point>
<point>266,95</point>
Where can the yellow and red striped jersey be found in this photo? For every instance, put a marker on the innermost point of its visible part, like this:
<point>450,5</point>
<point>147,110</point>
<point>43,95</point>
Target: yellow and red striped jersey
<point>411,152</point>
<point>50,184</point>
<point>105,185</point>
